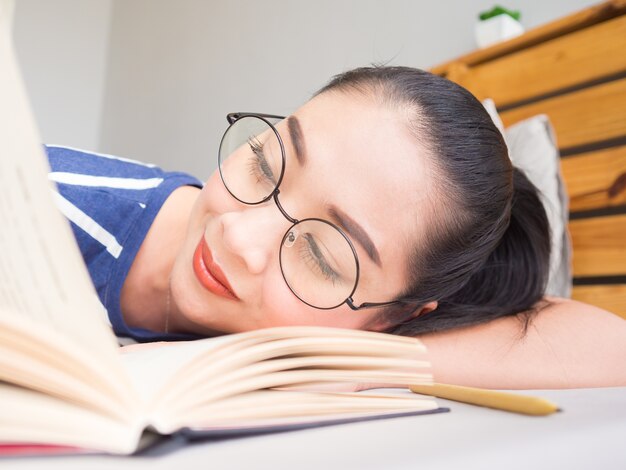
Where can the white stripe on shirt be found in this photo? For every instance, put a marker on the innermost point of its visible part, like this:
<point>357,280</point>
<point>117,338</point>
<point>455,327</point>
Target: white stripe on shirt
<point>104,155</point>
<point>89,225</point>
<point>104,181</point>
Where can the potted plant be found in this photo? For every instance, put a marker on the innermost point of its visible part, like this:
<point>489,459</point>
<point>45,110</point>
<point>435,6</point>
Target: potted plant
<point>497,24</point>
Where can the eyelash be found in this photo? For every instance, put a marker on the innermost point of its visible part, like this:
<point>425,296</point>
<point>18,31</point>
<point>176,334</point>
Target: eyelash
<point>312,256</point>
<point>258,164</point>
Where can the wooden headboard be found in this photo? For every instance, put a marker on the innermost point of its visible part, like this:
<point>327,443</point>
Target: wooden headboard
<point>573,70</point>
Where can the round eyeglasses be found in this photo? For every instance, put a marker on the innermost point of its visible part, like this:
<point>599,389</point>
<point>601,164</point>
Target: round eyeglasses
<point>317,259</point>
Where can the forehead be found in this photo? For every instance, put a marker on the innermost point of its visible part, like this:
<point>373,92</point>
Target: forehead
<point>363,158</point>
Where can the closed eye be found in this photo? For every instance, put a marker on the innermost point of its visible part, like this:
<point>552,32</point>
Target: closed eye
<point>259,166</point>
<point>315,259</point>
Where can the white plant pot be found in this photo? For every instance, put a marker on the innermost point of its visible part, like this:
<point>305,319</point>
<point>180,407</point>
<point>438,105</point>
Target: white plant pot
<point>496,29</point>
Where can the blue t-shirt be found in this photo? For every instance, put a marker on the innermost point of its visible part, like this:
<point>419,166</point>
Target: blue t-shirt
<point>111,203</point>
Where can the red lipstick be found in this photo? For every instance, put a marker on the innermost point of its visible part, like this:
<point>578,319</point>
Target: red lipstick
<point>209,273</point>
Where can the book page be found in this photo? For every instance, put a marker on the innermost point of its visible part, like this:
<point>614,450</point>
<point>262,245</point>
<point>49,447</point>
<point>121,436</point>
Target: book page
<point>177,378</point>
<point>275,408</point>
<point>42,275</point>
<point>38,358</point>
<point>33,417</point>
<point>185,367</point>
<point>152,367</point>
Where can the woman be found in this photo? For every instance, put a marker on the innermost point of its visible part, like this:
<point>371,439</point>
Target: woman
<point>387,202</point>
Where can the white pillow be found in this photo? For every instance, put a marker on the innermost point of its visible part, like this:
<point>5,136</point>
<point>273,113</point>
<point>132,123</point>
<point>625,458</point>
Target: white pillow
<point>532,148</point>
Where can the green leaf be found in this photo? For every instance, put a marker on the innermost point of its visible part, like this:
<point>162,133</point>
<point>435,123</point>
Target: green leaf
<point>499,10</point>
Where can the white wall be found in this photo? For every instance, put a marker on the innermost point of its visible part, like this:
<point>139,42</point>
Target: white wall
<point>153,79</point>
<point>176,68</point>
<point>62,47</point>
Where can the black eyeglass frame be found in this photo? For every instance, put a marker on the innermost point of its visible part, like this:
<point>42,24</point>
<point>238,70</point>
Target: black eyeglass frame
<point>232,118</point>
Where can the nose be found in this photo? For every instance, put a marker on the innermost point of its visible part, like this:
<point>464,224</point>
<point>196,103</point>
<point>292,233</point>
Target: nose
<point>254,234</point>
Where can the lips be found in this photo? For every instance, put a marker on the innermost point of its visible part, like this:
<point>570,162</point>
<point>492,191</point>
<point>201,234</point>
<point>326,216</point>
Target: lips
<point>209,273</point>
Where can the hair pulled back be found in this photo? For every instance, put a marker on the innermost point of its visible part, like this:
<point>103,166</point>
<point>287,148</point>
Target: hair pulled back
<point>488,246</point>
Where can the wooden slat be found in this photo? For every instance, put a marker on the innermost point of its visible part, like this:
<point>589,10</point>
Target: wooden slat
<point>608,297</point>
<point>589,177</point>
<point>599,246</point>
<point>590,115</point>
<point>579,20</point>
<point>570,60</point>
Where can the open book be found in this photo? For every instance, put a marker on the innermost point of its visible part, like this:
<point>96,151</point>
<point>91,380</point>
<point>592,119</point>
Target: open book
<point>64,382</point>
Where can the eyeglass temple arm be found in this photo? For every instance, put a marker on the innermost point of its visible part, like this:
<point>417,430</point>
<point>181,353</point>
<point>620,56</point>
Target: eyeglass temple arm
<point>232,117</point>
<point>364,305</point>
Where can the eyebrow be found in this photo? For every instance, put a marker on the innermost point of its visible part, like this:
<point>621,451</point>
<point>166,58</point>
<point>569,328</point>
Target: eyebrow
<point>295,132</point>
<point>356,232</point>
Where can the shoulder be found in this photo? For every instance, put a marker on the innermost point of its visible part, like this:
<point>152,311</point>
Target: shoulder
<point>111,203</point>
<point>98,183</point>
<point>64,157</point>
<point>105,195</point>
<point>66,161</point>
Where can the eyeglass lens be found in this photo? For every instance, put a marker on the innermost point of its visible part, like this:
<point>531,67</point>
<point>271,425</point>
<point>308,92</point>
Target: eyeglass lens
<point>317,260</point>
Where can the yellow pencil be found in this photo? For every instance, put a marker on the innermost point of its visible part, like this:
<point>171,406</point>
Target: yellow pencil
<point>490,398</point>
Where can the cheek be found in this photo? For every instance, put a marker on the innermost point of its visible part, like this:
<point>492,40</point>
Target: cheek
<point>283,308</point>
<point>213,199</point>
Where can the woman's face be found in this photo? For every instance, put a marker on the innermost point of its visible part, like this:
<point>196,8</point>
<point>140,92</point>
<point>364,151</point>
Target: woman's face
<point>354,158</point>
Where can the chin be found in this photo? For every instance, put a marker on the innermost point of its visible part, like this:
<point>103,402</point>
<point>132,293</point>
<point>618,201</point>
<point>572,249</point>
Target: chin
<point>192,311</point>
<point>197,315</point>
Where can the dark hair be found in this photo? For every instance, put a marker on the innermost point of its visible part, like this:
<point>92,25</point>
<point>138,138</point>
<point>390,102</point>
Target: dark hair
<point>488,236</point>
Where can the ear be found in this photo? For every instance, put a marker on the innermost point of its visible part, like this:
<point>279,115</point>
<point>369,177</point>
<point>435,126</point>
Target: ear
<point>427,308</point>
<point>379,323</point>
